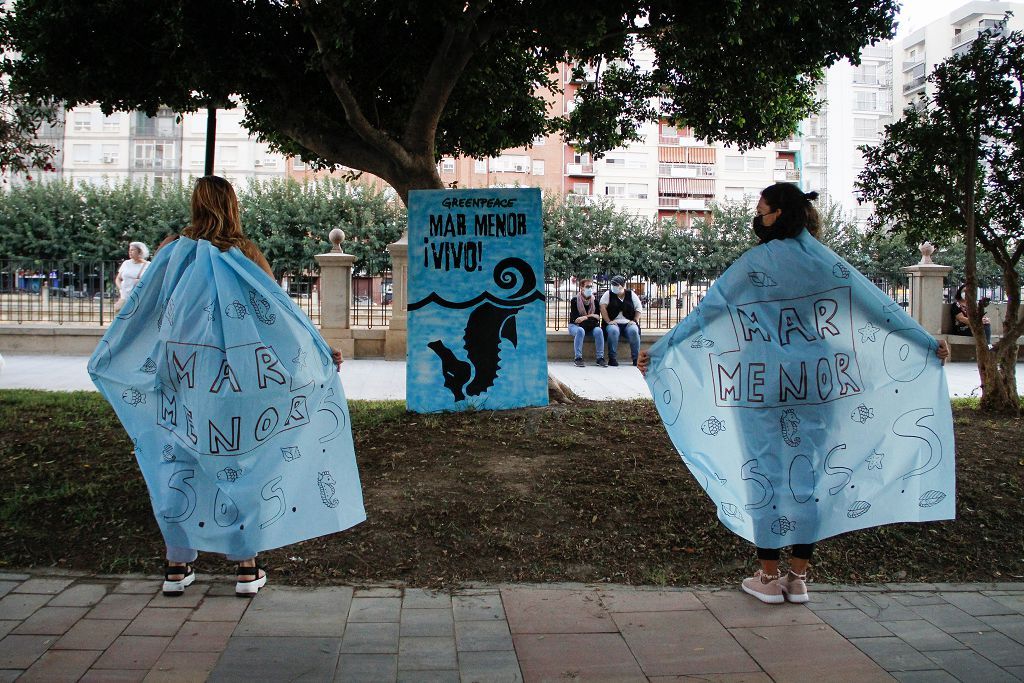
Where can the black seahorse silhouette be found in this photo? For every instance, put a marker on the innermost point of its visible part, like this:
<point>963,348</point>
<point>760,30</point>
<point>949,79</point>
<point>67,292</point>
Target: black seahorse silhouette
<point>492,320</point>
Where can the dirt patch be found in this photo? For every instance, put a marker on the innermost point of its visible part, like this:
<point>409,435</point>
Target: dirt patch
<point>530,495</point>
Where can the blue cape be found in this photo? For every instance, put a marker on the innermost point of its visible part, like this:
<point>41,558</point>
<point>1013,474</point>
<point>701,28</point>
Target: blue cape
<point>805,401</point>
<point>230,396</point>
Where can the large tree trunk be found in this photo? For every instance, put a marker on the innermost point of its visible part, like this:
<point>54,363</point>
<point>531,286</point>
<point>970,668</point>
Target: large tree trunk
<point>998,370</point>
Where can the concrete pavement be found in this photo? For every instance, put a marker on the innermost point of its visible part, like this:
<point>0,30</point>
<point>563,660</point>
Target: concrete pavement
<point>71,627</point>
<point>380,379</point>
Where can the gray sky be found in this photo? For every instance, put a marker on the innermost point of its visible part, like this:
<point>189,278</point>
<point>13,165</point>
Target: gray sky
<point>916,13</point>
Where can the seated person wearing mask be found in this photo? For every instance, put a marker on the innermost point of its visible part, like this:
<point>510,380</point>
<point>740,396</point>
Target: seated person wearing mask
<point>620,313</point>
<point>585,319</point>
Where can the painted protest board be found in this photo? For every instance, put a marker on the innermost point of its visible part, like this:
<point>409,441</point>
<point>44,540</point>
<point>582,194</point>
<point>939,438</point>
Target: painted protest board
<point>476,336</point>
<point>237,414</point>
<point>805,401</point>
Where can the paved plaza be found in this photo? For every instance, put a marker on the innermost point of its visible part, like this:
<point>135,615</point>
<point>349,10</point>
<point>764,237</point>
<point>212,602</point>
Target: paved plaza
<point>68,627</point>
<point>71,627</point>
<point>380,379</point>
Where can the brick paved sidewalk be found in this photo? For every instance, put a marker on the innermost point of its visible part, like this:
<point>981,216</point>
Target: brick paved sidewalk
<point>57,627</point>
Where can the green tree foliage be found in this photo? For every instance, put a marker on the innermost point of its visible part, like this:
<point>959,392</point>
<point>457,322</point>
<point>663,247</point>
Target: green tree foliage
<point>952,169</point>
<point>289,221</point>
<point>388,87</point>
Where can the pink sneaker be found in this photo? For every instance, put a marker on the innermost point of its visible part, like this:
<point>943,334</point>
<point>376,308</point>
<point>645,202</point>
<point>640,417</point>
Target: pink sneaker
<point>764,587</point>
<point>794,587</point>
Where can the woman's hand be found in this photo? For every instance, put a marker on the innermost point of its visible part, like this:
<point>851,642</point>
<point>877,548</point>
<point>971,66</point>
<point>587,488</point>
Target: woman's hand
<point>581,319</point>
<point>643,361</point>
<point>337,358</point>
<point>942,351</point>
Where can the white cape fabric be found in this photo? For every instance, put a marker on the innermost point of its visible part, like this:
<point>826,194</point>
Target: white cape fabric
<point>805,401</point>
<point>230,396</point>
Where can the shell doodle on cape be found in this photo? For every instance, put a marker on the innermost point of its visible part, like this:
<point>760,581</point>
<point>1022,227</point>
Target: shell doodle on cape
<point>782,526</point>
<point>730,510</point>
<point>759,279</point>
<point>701,343</point>
<point>290,453</point>
<point>149,367</point>
<point>712,426</point>
<point>235,310</point>
<point>858,508</point>
<point>930,498</point>
<point>133,396</point>
<point>168,454</point>
<point>840,271</point>
<point>229,474</point>
<point>862,414</point>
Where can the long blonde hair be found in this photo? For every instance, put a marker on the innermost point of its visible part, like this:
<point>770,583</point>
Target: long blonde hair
<point>215,214</point>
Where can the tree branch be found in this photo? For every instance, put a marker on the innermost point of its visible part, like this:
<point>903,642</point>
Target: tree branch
<point>450,60</point>
<point>353,112</point>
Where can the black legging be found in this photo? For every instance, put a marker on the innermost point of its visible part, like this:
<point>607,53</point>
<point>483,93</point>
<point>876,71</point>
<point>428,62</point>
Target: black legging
<point>801,551</point>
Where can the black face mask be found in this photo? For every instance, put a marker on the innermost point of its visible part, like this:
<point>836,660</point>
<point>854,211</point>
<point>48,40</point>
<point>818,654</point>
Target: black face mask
<point>763,232</point>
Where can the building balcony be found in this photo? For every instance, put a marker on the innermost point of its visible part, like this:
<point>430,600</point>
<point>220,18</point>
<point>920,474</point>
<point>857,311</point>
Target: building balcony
<point>911,64</point>
<point>914,85</point>
<point>683,203</point>
<point>787,176</point>
<point>669,139</point>
<point>686,170</point>
<point>576,199</point>
<point>790,145</point>
<point>579,169</point>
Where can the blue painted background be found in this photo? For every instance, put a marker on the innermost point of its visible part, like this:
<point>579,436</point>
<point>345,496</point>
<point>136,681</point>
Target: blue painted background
<point>237,414</point>
<point>869,441</point>
<point>522,374</point>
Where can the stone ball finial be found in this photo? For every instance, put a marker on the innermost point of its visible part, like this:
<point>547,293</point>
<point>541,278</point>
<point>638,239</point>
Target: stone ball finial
<point>927,249</point>
<point>337,236</point>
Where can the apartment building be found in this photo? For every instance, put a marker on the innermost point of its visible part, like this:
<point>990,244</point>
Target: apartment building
<point>919,52</point>
<point>97,149</point>
<point>857,105</point>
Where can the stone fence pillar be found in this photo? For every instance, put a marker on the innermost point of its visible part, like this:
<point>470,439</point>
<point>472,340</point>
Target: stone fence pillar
<point>926,286</point>
<point>395,337</point>
<point>336,296</point>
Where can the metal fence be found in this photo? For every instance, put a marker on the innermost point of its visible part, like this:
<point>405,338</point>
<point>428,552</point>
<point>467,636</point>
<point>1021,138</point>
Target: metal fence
<point>72,292</point>
<point>666,304</point>
<point>57,291</point>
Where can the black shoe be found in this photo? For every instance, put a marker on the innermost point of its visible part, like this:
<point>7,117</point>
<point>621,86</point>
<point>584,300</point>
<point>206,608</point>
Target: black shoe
<point>578,362</point>
<point>601,363</point>
<point>634,362</point>
<point>613,362</point>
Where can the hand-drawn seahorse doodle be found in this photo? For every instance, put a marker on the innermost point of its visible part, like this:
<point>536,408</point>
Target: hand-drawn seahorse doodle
<point>491,320</point>
<point>261,308</point>
<point>326,483</point>
<point>789,422</point>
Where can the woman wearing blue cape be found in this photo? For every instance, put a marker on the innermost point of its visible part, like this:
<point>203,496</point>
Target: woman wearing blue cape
<point>231,398</point>
<point>814,405</point>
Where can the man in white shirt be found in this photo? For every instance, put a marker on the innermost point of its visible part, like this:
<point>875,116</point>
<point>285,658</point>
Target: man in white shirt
<point>620,313</point>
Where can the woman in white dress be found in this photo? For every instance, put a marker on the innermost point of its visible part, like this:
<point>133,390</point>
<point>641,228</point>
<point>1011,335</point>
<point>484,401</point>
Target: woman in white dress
<point>130,272</point>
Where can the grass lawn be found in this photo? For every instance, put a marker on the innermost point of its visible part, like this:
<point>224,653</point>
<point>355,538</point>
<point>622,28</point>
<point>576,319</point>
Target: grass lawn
<point>527,495</point>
